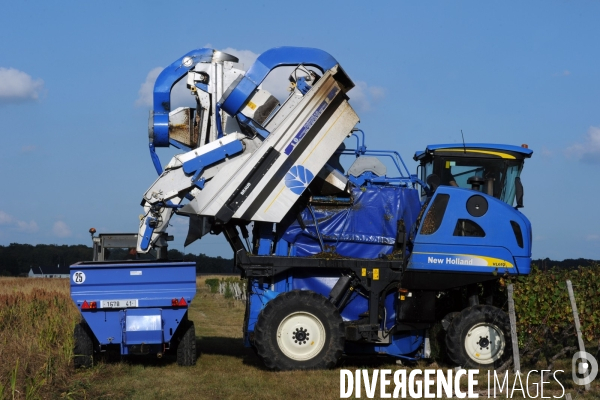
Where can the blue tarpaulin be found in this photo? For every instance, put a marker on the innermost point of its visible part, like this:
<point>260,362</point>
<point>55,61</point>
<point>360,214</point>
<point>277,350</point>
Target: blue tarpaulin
<point>366,229</point>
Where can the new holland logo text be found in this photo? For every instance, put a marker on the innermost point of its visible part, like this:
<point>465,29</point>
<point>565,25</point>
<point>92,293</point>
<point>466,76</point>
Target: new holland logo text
<point>449,260</point>
<point>461,259</point>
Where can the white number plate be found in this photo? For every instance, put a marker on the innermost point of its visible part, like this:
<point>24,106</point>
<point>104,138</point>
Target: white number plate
<point>119,303</point>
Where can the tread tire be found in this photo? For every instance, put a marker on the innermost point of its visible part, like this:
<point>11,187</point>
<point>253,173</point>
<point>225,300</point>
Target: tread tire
<point>285,306</point>
<point>83,349</point>
<point>186,348</point>
<point>468,319</point>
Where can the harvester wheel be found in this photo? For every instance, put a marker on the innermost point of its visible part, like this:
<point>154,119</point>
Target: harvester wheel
<point>83,351</point>
<point>479,337</point>
<point>299,330</point>
<point>186,348</point>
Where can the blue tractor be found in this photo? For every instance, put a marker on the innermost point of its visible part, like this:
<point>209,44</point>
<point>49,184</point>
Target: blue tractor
<point>340,257</point>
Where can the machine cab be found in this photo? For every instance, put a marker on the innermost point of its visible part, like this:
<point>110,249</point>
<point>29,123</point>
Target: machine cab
<point>489,168</point>
<point>469,224</point>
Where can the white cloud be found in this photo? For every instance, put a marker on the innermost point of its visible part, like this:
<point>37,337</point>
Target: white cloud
<point>246,57</point>
<point>179,225</point>
<point>363,96</point>
<point>28,149</point>
<point>147,88</point>
<point>21,226</point>
<point>27,227</point>
<point>589,149</point>
<point>566,72</point>
<point>16,85</point>
<point>546,152</point>
<point>61,229</point>
<point>276,83</point>
<point>592,238</point>
<point>5,219</point>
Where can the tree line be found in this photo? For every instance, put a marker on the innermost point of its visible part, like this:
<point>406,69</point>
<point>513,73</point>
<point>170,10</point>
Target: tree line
<point>545,264</point>
<point>16,259</point>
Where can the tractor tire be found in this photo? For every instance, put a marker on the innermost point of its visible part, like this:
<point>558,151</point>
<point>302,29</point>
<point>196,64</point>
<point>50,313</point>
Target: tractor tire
<point>479,337</point>
<point>299,330</point>
<point>186,348</point>
<point>83,350</point>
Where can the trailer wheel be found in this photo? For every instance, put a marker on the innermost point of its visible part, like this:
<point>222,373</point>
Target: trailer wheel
<point>186,348</point>
<point>299,330</point>
<point>478,337</point>
<point>83,351</point>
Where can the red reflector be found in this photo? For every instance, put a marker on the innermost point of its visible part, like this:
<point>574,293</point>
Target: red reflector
<point>182,302</point>
<point>86,306</point>
<point>174,303</point>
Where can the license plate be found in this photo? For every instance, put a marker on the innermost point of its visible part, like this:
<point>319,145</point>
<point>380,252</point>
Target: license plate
<point>119,303</point>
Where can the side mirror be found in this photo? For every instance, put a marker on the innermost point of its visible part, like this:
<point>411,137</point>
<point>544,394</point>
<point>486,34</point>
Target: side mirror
<point>519,192</point>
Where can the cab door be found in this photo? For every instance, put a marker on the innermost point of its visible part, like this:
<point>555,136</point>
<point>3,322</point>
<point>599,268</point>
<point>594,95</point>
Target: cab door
<point>467,231</point>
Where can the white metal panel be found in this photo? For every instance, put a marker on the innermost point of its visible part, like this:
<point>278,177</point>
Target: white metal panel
<point>214,187</point>
<point>313,158</point>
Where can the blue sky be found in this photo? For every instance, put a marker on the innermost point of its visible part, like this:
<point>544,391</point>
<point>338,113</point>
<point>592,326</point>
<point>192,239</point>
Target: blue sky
<point>73,108</point>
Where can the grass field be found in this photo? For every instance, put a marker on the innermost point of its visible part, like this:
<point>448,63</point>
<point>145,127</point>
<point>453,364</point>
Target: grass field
<point>36,323</point>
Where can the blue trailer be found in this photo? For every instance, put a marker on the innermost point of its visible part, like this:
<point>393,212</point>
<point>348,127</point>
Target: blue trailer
<point>340,258</point>
<point>134,307</point>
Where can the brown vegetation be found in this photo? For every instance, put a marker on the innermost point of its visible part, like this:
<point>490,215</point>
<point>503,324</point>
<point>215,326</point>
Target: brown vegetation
<point>36,337</point>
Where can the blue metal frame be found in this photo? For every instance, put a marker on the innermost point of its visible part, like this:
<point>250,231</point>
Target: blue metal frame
<point>265,63</point>
<point>237,98</point>
<point>405,178</point>
<point>198,164</point>
<point>155,159</point>
<point>243,120</point>
<point>361,149</point>
<point>159,116</point>
<point>178,145</point>
<point>162,92</point>
<point>147,235</point>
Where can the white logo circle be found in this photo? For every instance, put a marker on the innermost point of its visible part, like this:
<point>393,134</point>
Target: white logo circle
<point>79,277</point>
<point>187,61</point>
<point>588,368</point>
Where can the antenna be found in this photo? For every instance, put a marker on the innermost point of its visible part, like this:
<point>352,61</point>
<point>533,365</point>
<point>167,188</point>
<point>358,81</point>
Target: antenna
<point>463,138</point>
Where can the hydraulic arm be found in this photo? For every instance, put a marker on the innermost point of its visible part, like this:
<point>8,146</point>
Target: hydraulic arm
<point>246,155</point>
